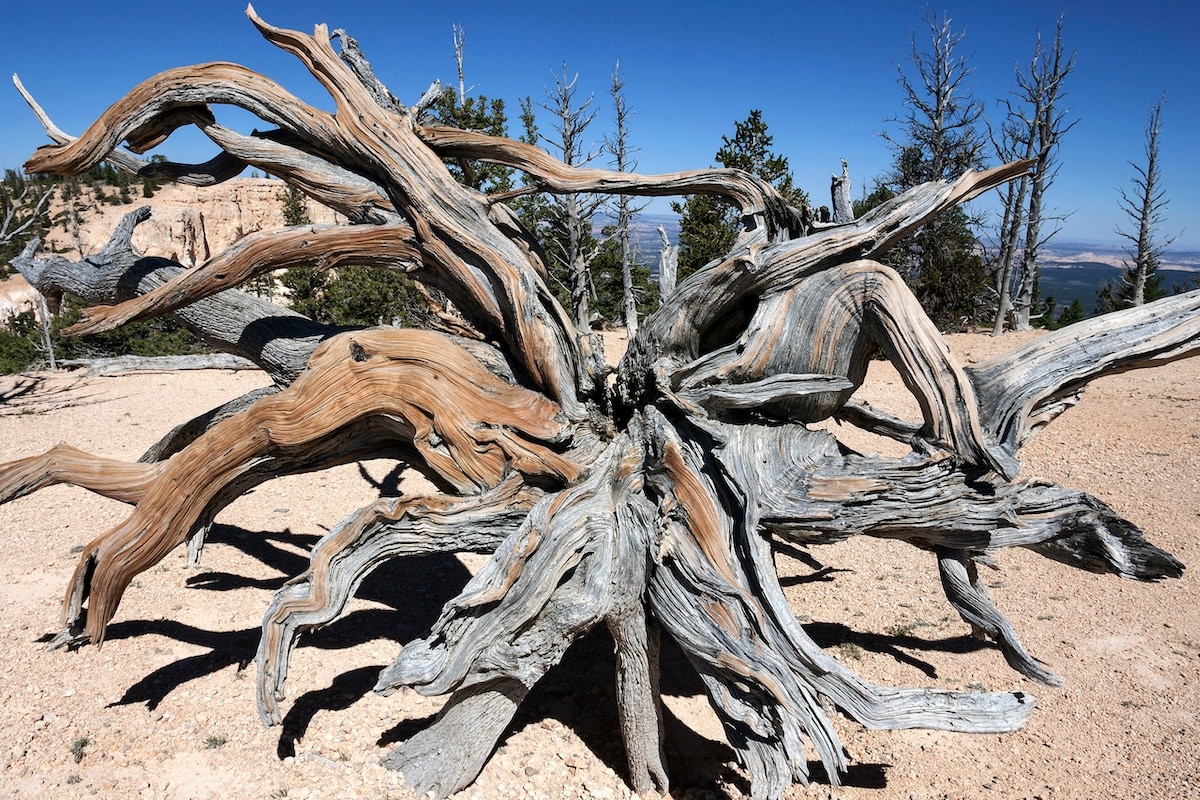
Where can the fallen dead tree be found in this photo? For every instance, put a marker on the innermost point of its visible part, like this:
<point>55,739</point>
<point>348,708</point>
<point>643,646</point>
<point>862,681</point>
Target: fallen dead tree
<point>118,365</point>
<point>647,501</point>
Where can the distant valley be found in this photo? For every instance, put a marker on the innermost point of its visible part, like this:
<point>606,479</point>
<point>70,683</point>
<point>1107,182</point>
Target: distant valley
<point>1076,270</point>
<point>1070,270</point>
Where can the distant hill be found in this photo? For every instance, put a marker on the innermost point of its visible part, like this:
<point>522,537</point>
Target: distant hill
<point>1077,270</point>
<point>1070,270</point>
<point>1066,253</point>
<point>644,235</point>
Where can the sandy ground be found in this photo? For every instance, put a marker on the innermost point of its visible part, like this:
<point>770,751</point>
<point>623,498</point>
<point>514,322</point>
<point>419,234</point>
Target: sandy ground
<point>166,708</point>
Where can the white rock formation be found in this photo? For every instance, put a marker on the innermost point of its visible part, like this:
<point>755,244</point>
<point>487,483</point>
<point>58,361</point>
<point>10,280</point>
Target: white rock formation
<point>188,224</point>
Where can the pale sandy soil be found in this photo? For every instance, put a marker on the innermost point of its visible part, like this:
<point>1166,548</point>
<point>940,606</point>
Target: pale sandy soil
<point>167,705</point>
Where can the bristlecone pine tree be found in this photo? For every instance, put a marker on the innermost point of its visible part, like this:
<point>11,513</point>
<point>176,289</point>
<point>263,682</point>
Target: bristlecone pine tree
<point>648,500</point>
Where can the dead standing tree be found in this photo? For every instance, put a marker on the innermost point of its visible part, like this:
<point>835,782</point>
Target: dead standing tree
<point>648,503</point>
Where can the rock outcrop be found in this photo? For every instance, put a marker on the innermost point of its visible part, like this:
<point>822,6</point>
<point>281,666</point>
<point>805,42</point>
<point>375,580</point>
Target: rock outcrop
<point>188,223</point>
<point>16,297</point>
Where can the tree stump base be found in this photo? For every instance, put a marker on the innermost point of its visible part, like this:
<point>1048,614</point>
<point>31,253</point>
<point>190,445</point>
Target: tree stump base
<point>649,501</point>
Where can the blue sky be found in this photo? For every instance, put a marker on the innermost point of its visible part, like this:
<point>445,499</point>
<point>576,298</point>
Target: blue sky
<point>823,74</point>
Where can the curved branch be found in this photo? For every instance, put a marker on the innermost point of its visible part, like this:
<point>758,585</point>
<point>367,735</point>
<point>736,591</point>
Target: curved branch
<point>386,246</point>
<point>1022,391</point>
<point>216,170</point>
<point>717,594</point>
<point>465,425</point>
<point>806,490</point>
<point>752,195</point>
<point>152,108</point>
<point>287,156</point>
<point>66,464</point>
<point>388,528</point>
<point>851,309</point>
<point>968,595</point>
<point>721,289</point>
<point>320,248</point>
<point>452,222</point>
<point>275,338</point>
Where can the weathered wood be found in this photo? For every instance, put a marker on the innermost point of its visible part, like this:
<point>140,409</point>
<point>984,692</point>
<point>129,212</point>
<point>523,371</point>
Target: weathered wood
<point>66,464</point>
<point>448,755</point>
<point>649,503</point>
<point>277,339</point>
<point>465,447</point>
<point>839,190</point>
<point>753,196</point>
<point>1026,389</point>
<point>387,529</point>
<point>118,365</point>
<point>668,265</point>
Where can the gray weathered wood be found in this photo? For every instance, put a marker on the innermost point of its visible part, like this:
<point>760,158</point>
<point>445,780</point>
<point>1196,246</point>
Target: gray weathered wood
<point>648,501</point>
<point>839,190</point>
<point>119,365</point>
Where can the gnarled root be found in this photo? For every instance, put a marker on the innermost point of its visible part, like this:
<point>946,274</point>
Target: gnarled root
<point>573,562</point>
<point>466,426</point>
<point>448,755</point>
<point>852,308</point>
<point>66,464</point>
<point>386,529</point>
<point>717,595</point>
<point>960,581</point>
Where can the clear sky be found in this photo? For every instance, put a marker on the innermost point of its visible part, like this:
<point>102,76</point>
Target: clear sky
<point>823,74</point>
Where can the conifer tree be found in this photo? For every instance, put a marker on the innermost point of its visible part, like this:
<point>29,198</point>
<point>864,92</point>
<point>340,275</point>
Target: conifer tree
<point>940,139</point>
<point>708,225</point>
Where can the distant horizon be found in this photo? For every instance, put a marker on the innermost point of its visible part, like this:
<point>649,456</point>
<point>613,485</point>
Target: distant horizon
<point>1112,245</point>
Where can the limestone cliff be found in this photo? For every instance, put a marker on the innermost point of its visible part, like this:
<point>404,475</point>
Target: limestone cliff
<point>188,224</point>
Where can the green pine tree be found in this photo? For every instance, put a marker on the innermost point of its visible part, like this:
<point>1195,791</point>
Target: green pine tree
<point>351,295</point>
<point>295,206</point>
<point>1071,314</point>
<point>475,114</point>
<point>940,139</point>
<point>1115,296</point>
<point>708,226</point>
<point>608,282</point>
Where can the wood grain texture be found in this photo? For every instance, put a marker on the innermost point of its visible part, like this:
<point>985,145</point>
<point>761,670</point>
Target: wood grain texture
<point>649,500</point>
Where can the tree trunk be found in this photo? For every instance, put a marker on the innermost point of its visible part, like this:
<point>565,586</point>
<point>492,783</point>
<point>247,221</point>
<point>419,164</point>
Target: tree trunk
<point>843,209</point>
<point>1010,236</point>
<point>1145,208</point>
<point>577,265</point>
<point>122,364</point>
<point>619,147</point>
<point>650,502</point>
<point>1045,128</point>
<point>668,265</point>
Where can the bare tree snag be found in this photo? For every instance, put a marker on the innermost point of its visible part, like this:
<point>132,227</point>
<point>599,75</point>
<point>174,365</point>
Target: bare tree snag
<point>649,501</point>
<point>668,265</point>
<point>839,191</point>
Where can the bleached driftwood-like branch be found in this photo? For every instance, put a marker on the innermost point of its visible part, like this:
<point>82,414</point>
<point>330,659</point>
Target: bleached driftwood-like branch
<point>648,503</point>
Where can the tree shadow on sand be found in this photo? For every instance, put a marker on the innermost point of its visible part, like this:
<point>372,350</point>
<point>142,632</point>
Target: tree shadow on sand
<point>411,591</point>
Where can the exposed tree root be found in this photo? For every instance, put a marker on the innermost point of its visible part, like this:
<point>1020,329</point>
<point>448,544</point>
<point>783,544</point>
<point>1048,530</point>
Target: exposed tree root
<point>647,501</point>
<point>469,448</point>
